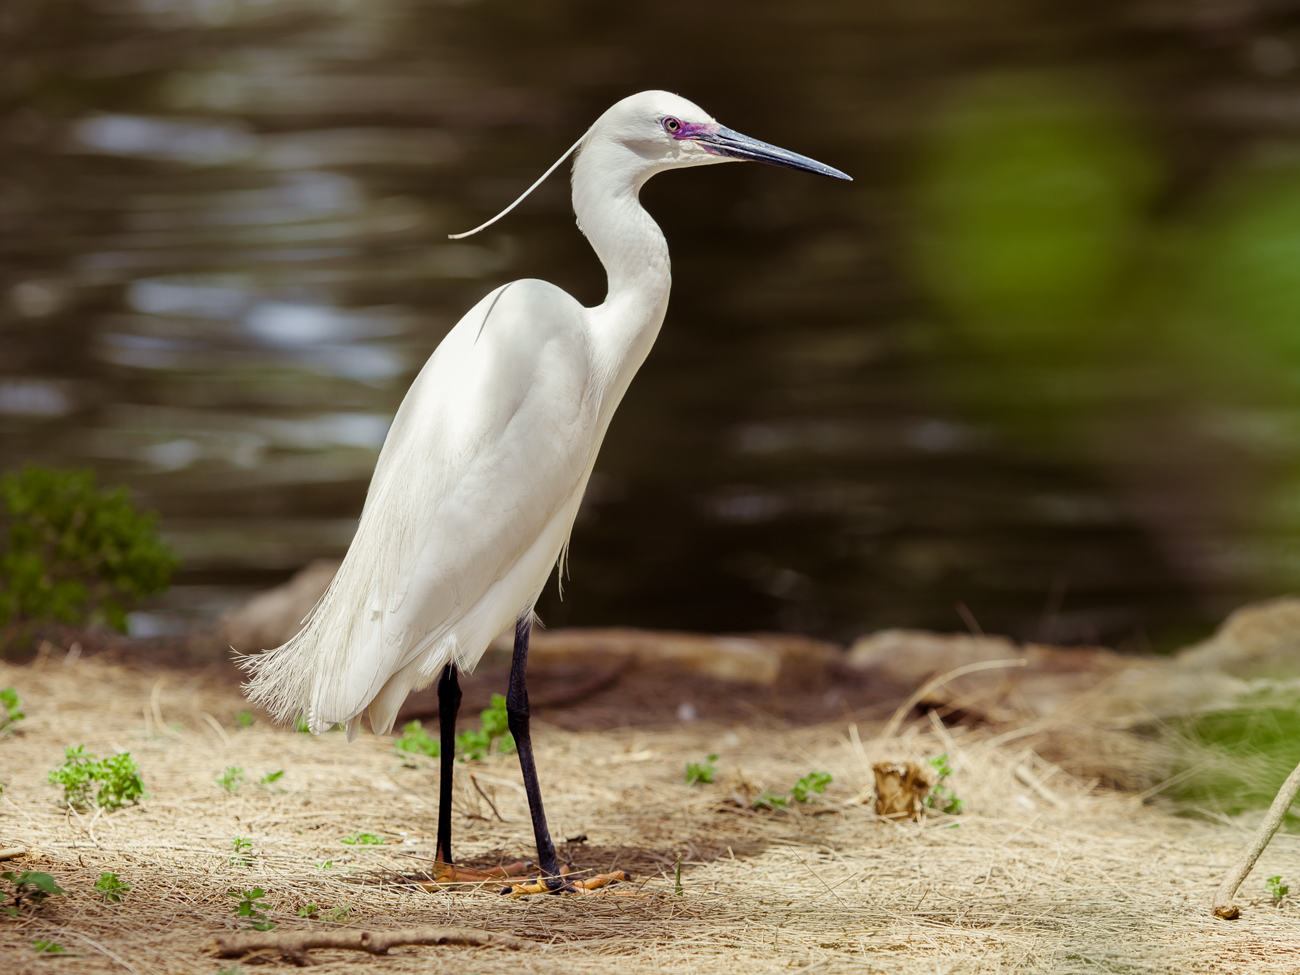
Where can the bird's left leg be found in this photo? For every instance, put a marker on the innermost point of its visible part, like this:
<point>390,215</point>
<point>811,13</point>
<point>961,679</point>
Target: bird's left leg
<point>445,871</point>
<point>553,879</point>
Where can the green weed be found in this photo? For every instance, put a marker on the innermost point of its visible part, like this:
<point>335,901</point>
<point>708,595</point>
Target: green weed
<point>771,801</point>
<point>231,778</point>
<point>112,888</point>
<point>115,781</point>
<point>244,719</point>
<point>269,779</point>
<point>250,905</point>
<point>942,797</point>
<point>701,773</point>
<point>471,744</point>
<point>802,791</point>
<point>31,886</point>
<point>813,782</point>
<point>44,946</point>
<point>474,744</point>
<point>308,911</point>
<point>1276,889</point>
<point>243,848</point>
<point>338,914</point>
<point>363,839</point>
<point>10,710</point>
<point>414,740</point>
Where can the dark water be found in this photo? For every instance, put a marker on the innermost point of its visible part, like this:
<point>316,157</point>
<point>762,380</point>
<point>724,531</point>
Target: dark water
<point>1040,359</point>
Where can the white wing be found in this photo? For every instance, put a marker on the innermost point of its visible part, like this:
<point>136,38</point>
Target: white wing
<point>472,499</point>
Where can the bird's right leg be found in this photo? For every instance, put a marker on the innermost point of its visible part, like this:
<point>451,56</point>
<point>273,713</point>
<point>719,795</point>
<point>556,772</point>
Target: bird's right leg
<point>445,871</point>
<point>552,879</point>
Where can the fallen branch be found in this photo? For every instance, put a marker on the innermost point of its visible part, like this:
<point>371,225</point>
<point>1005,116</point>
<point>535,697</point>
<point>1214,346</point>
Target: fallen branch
<point>12,852</point>
<point>296,943</point>
<point>1223,906</point>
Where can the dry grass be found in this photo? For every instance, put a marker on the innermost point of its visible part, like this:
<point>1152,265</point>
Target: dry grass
<point>1040,874</point>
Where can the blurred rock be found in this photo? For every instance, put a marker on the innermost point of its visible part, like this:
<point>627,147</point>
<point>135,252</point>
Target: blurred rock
<point>1106,688</point>
<point>272,617</point>
<point>1261,640</point>
<point>766,659</point>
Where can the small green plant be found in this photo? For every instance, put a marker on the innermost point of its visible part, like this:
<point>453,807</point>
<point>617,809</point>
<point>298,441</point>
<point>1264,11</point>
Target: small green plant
<point>232,970</point>
<point>231,778</point>
<point>1276,889</point>
<point>363,839</point>
<point>701,773</point>
<point>813,782</point>
<point>942,797</point>
<point>10,710</point>
<point>112,888</point>
<point>30,886</point>
<point>44,946</point>
<point>114,782</point>
<point>325,865</point>
<point>471,744</point>
<point>75,554</point>
<point>269,779</point>
<point>338,914</point>
<point>414,740</point>
<point>771,801</point>
<point>308,911</point>
<point>244,719</point>
<point>474,744</point>
<point>243,848</point>
<point>250,905</point>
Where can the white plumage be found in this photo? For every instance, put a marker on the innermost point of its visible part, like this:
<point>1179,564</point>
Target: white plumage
<point>483,470</point>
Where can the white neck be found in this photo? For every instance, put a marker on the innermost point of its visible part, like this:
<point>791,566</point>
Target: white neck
<point>635,254</point>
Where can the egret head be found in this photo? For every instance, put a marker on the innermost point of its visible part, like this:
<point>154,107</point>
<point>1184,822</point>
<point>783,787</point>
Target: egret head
<point>652,131</point>
<point>665,131</point>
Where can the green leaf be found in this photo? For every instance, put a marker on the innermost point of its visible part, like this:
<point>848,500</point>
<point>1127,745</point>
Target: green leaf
<point>810,783</point>
<point>700,773</point>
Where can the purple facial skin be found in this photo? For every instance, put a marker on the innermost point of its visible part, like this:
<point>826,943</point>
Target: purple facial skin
<point>718,140</point>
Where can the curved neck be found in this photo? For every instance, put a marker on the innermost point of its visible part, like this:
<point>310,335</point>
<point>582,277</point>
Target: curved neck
<point>635,254</point>
<point>626,239</point>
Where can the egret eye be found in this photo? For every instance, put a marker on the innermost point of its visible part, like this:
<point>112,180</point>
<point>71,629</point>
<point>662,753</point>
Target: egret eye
<point>671,125</point>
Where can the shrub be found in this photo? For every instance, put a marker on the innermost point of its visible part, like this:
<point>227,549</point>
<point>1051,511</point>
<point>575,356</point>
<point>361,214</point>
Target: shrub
<point>75,554</point>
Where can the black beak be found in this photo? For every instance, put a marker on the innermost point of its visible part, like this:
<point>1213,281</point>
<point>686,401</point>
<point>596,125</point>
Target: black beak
<point>727,142</point>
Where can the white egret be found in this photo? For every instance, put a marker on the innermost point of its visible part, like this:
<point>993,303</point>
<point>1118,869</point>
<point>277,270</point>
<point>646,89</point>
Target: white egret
<point>483,470</point>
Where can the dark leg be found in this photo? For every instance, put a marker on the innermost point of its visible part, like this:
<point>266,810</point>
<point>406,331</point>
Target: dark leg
<point>448,706</point>
<point>517,715</point>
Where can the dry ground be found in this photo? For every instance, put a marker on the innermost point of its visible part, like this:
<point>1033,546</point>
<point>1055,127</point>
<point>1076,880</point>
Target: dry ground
<point>1040,874</point>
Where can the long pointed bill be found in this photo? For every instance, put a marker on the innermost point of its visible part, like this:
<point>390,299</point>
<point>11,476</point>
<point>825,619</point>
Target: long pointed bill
<point>722,141</point>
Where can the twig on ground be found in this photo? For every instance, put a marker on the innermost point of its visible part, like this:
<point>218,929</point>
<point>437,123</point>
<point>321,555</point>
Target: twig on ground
<point>479,789</point>
<point>1223,906</point>
<point>11,852</point>
<point>295,944</point>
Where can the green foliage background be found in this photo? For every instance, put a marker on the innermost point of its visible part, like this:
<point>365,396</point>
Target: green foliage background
<point>74,553</point>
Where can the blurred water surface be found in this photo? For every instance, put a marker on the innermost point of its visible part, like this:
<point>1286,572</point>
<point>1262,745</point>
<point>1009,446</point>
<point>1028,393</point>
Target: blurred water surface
<point>1036,368</point>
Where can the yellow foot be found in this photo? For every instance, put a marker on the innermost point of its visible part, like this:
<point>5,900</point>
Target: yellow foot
<point>562,885</point>
<point>446,873</point>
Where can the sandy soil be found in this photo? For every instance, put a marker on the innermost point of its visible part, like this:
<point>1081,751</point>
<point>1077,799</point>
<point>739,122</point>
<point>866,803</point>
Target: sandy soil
<point>1040,873</point>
